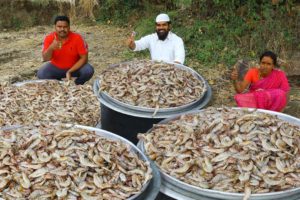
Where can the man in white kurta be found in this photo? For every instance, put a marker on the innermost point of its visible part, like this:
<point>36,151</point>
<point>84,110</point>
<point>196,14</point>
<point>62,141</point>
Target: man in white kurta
<point>163,45</point>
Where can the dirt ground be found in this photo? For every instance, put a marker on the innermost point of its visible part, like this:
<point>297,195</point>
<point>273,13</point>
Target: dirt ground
<point>20,58</point>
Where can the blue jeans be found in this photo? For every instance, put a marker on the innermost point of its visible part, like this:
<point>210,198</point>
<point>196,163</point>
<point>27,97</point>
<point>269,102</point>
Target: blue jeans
<point>49,71</point>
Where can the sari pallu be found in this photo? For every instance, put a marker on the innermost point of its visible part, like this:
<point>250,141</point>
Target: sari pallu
<point>268,93</point>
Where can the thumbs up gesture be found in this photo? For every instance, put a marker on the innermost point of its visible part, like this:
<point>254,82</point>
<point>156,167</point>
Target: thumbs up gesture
<point>130,41</point>
<point>56,43</point>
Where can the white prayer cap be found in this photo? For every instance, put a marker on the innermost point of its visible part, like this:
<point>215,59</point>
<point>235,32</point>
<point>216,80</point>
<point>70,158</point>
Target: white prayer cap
<point>162,18</point>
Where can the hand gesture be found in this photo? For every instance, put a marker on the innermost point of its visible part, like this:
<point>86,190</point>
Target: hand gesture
<point>56,44</point>
<point>130,40</point>
<point>234,74</point>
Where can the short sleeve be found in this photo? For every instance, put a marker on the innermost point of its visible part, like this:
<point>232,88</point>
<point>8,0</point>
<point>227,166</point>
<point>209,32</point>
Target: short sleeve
<point>47,41</point>
<point>252,75</point>
<point>82,47</point>
<point>248,76</point>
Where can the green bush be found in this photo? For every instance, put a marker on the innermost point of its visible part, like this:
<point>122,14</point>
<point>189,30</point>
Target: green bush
<point>217,31</point>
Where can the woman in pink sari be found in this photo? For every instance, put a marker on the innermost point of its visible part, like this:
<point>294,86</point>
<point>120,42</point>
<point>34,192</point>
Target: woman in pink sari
<point>268,87</point>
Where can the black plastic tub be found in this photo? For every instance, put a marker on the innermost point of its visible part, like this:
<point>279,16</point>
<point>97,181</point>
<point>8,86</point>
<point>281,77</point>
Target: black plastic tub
<point>125,125</point>
<point>127,120</point>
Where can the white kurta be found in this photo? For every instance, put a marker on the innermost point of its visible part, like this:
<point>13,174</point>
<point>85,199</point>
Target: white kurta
<point>169,50</point>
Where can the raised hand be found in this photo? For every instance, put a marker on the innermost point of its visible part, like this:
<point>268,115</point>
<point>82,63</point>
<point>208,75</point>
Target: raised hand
<point>130,40</point>
<point>56,44</point>
<point>234,74</point>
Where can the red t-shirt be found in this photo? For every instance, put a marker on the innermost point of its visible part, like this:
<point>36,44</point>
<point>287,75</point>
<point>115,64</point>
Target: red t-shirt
<point>252,75</point>
<point>69,53</point>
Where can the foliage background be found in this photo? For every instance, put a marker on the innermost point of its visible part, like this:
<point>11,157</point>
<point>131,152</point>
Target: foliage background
<point>216,31</point>
<point>216,34</point>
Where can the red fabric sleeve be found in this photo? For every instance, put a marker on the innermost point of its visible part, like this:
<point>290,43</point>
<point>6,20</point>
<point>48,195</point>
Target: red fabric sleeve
<point>252,75</point>
<point>47,41</point>
<point>82,47</point>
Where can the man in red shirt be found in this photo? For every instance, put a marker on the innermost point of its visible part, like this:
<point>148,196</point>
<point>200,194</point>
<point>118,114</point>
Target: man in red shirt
<point>67,52</point>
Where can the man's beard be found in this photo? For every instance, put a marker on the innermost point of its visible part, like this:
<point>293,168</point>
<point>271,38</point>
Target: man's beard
<point>162,35</point>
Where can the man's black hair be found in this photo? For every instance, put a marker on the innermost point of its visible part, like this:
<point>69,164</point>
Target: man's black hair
<point>271,55</point>
<point>61,18</point>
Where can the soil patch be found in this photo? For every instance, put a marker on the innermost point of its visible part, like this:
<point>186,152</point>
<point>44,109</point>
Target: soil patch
<point>20,55</point>
<point>20,58</point>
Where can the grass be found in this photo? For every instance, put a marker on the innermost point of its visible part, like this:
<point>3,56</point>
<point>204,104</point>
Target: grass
<point>215,32</point>
<point>228,30</point>
<point>86,7</point>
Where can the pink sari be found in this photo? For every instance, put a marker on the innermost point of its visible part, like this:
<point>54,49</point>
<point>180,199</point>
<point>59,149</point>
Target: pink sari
<point>268,93</point>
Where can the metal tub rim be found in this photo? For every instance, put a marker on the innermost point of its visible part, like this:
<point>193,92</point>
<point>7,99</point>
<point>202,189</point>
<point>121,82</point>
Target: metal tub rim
<point>18,84</point>
<point>110,135</point>
<point>195,190</point>
<point>144,114</point>
<point>115,137</point>
<point>22,83</point>
<point>161,110</point>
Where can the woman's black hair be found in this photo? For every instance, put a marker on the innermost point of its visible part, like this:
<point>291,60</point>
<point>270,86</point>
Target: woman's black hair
<point>271,55</point>
<point>61,18</point>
